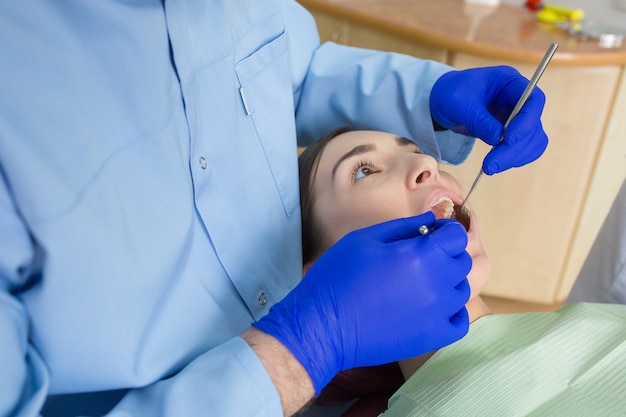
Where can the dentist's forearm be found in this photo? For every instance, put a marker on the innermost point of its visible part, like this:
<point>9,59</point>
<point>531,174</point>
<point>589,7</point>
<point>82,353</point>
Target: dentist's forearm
<point>291,380</point>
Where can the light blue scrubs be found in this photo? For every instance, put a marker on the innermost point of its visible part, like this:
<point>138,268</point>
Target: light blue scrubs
<point>149,195</point>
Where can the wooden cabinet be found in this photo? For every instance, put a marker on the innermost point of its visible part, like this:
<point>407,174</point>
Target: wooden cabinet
<point>538,221</point>
<point>342,31</point>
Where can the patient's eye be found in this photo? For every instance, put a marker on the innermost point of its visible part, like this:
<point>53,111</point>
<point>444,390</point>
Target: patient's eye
<point>363,169</point>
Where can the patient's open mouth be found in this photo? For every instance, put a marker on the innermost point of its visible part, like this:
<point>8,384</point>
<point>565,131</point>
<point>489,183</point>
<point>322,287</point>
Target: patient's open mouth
<point>444,208</point>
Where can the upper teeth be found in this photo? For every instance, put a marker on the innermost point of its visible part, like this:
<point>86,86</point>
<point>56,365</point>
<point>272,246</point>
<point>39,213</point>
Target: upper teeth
<point>448,207</point>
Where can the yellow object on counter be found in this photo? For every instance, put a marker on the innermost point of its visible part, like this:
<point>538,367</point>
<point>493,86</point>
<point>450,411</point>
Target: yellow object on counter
<point>555,14</point>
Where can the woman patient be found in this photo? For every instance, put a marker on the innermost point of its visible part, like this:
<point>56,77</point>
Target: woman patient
<point>354,179</point>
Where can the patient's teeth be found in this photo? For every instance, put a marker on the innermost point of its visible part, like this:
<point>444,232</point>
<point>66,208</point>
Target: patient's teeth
<point>443,208</point>
<point>463,216</point>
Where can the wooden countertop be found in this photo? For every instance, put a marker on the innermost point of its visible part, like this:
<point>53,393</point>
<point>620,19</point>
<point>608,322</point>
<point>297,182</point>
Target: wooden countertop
<point>504,32</point>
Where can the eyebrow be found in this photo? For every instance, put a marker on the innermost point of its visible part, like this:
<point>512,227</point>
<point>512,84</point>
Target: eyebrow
<point>357,150</point>
<point>402,141</point>
<point>361,149</point>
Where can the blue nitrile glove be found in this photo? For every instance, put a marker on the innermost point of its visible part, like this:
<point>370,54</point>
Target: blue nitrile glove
<point>476,102</point>
<point>379,295</point>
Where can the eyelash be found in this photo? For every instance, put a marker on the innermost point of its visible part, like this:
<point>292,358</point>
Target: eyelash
<point>367,163</point>
<point>361,164</point>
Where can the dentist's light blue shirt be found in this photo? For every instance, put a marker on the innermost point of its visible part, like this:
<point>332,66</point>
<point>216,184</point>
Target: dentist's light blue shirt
<point>149,195</point>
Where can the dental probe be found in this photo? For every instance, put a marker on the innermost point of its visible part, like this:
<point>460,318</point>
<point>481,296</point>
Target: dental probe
<point>520,103</point>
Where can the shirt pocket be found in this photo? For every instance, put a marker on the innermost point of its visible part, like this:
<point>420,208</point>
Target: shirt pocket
<point>267,95</point>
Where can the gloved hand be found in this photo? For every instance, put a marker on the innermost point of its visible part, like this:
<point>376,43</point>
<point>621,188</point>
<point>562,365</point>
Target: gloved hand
<point>476,102</point>
<point>380,294</point>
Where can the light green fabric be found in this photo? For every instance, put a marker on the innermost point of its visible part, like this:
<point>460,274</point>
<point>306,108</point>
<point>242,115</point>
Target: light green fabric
<point>571,362</point>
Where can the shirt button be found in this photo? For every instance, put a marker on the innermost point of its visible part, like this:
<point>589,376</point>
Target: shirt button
<point>262,298</point>
<point>202,161</point>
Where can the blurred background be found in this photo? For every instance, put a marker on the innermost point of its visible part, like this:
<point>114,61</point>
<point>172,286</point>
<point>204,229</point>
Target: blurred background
<point>538,221</point>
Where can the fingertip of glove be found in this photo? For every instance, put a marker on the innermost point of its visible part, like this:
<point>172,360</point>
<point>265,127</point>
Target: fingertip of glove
<point>491,163</point>
<point>452,224</point>
<point>491,168</point>
<point>450,236</point>
<point>446,224</point>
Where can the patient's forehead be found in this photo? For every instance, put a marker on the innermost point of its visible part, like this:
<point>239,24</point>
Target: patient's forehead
<point>370,136</point>
<point>357,142</point>
<point>371,140</point>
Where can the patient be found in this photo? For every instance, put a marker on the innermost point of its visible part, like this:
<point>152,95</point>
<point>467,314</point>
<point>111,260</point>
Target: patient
<point>353,179</point>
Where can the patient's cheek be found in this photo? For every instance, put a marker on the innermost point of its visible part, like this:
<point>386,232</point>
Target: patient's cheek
<point>480,273</point>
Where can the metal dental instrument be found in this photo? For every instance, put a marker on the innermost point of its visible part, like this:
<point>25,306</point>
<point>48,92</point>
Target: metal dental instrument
<point>520,103</point>
<point>424,230</point>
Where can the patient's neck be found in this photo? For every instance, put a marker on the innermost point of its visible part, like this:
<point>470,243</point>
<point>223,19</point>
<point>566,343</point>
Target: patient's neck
<point>476,308</point>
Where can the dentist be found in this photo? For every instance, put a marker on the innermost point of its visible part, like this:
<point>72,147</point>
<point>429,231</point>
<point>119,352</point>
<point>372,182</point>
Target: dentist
<point>150,244</point>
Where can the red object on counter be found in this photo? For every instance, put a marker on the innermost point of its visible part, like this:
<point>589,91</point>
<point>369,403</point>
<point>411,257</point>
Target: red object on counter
<point>534,5</point>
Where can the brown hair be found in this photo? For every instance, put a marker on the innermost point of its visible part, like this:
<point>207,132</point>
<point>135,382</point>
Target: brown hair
<point>308,161</point>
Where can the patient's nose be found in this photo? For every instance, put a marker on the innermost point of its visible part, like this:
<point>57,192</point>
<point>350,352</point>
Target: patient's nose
<point>424,170</point>
<point>423,176</point>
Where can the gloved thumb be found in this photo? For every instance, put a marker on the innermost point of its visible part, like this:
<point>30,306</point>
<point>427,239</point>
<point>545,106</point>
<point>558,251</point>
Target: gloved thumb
<point>450,236</point>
